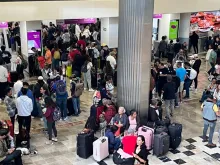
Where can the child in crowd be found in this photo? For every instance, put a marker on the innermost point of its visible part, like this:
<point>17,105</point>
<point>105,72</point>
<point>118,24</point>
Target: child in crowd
<point>109,86</point>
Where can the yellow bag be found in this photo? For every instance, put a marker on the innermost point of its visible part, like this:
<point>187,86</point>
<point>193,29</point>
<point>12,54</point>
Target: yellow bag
<point>56,55</point>
<point>69,71</point>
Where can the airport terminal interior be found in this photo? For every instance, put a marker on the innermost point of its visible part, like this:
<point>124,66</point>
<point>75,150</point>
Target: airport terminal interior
<point>109,82</point>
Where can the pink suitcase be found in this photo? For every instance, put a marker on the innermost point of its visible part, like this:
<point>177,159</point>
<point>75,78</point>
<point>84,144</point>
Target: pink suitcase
<point>148,133</point>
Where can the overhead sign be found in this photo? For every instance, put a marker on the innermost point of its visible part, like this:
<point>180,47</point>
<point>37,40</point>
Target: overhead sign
<point>34,40</point>
<point>173,30</point>
<point>80,21</point>
<point>3,25</point>
<point>158,16</point>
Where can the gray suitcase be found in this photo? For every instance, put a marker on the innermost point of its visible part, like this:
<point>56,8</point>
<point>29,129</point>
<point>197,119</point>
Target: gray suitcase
<point>161,129</point>
<point>161,144</point>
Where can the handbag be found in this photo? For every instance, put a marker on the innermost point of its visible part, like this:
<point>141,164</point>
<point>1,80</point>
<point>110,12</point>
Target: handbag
<point>122,161</point>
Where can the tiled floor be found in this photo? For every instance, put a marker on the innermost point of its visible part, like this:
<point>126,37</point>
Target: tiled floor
<point>191,151</point>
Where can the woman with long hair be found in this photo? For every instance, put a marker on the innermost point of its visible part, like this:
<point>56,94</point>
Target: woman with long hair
<point>50,107</point>
<point>140,154</point>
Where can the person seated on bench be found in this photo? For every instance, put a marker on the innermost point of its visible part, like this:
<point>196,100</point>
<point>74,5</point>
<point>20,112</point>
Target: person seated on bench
<point>8,155</point>
<point>120,119</point>
<point>113,142</point>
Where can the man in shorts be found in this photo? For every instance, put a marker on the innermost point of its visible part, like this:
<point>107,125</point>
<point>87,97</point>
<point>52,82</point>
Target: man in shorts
<point>181,73</point>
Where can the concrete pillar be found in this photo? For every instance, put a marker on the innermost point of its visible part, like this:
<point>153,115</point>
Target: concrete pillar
<point>134,57</point>
<point>184,27</point>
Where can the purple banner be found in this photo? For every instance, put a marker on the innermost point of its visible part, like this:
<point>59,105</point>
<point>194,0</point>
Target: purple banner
<point>157,16</point>
<point>3,25</point>
<point>34,40</point>
<point>80,21</point>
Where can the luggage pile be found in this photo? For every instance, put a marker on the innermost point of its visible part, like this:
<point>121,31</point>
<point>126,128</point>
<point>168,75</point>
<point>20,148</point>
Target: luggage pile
<point>162,137</point>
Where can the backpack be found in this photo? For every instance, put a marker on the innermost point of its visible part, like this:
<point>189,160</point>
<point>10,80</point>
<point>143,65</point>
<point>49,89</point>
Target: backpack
<point>92,124</point>
<point>23,62</point>
<point>79,87</point>
<point>60,87</point>
<point>193,74</point>
<point>84,68</point>
<point>64,56</point>
<point>56,114</point>
<point>91,53</point>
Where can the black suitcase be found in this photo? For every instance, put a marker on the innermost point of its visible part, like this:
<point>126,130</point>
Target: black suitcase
<point>70,107</point>
<point>175,132</point>
<point>161,129</point>
<point>85,144</point>
<point>161,144</point>
<point>165,122</point>
<point>14,76</point>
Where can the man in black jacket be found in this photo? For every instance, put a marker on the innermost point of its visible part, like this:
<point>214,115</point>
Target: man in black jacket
<point>196,67</point>
<point>169,96</point>
<point>155,113</point>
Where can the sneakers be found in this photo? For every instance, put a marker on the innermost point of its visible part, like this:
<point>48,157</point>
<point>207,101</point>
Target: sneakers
<point>211,145</point>
<point>65,119</point>
<point>85,89</point>
<point>91,90</point>
<point>49,142</point>
<point>54,139</point>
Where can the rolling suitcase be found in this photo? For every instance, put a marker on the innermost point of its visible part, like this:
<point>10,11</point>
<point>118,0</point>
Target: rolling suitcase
<point>161,129</point>
<point>175,132</point>
<point>161,144</point>
<point>84,144</point>
<point>148,133</point>
<point>100,149</point>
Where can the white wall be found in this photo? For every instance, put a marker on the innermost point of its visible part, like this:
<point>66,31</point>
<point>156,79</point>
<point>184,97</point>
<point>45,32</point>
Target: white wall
<point>23,35</point>
<point>109,31</point>
<point>113,32</point>
<point>33,25</point>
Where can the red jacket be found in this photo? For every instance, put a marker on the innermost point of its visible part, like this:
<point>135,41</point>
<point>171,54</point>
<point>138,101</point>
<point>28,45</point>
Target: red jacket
<point>129,144</point>
<point>110,113</point>
<point>49,114</point>
<point>73,53</point>
<point>81,42</point>
<point>41,61</point>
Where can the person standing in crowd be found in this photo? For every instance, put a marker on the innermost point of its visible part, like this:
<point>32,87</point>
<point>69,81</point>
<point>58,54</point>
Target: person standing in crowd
<point>104,53</point>
<point>216,43</point>
<point>66,37</point>
<point>96,55</point>
<point>208,56</point>
<point>18,85</point>
<point>56,57</point>
<point>162,47</point>
<point>170,67</point>
<point>10,105</point>
<point>24,107</point>
<point>48,56</point>
<point>87,75</point>
<point>155,114</point>
<point>77,31</point>
<point>196,67</point>
<point>169,96</point>
<point>120,119</point>
<point>177,46</point>
<point>51,32</point>
<point>188,81</point>
<point>6,55</point>
<point>170,51</point>
<point>86,32</point>
<point>112,61</point>
<point>162,73</point>
<point>29,92</point>
<point>176,80</point>
<point>194,38</point>
<point>95,34</point>
<point>181,73</point>
<point>209,116</point>
<point>61,96</point>
<point>208,42</point>
<point>3,79</point>
<point>75,99</point>
<point>211,33</point>
<point>212,62</point>
<point>50,107</point>
<point>82,42</point>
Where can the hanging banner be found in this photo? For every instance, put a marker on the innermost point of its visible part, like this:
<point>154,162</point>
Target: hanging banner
<point>34,40</point>
<point>158,16</point>
<point>174,29</point>
<point>3,25</point>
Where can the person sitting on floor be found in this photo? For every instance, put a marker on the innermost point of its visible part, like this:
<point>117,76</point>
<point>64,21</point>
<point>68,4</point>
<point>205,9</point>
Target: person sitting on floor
<point>120,119</point>
<point>133,121</point>
<point>155,114</point>
<point>113,142</point>
<point>129,142</point>
<point>8,155</point>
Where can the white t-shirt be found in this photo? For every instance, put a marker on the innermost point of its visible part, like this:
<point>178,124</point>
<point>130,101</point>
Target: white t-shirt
<point>86,33</point>
<point>17,86</point>
<point>89,66</point>
<point>3,74</point>
<point>112,61</point>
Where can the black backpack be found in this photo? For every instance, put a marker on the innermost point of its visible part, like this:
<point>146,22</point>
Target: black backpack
<point>64,56</point>
<point>92,124</point>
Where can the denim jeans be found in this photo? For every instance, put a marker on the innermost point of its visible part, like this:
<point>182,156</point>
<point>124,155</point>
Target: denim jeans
<point>208,124</point>
<point>169,105</point>
<point>186,86</point>
<point>51,128</point>
<point>76,105</point>
<point>116,145</point>
<point>62,103</point>
<point>212,69</point>
<point>15,155</point>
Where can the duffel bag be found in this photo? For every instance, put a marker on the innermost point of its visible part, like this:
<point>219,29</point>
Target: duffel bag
<point>122,161</point>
